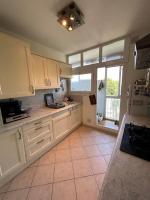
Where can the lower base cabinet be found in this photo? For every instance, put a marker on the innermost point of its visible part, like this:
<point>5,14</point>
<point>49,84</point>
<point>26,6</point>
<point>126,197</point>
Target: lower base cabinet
<point>75,117</point>
<point>12,155</point>
<point>67,121</point>
<point>61,125</point>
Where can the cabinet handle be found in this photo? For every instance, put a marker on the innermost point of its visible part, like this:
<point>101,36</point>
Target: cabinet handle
<point>40,141</point>
<point>19,133</point>
<point>38,128</point>
<point>37,123</point>
<point>1,173</point>
<point>1,90</point>
<point>46,81</point>
<point>32,89</point>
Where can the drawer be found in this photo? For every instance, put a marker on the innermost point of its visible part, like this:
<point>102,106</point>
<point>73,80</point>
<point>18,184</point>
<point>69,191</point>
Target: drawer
<point>37,147</point>
<point>36,124</point>
<point>33,135</point>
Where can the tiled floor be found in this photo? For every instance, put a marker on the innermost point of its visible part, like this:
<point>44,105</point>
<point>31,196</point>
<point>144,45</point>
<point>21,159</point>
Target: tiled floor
<point>73,170</point>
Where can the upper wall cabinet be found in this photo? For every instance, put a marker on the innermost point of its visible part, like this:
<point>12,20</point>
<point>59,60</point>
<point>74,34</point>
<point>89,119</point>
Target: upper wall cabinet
<point>15,68</point>
<point>45,73</point>
<point>65,70</point>
<point>39,72</point>
<point>53,73</point>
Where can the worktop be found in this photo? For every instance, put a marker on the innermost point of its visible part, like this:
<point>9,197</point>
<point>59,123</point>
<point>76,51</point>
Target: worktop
<point>35,115</point>
<point>127,177</point>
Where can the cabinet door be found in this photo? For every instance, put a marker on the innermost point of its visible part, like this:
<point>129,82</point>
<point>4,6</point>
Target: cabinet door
<point>53,74</point>
<point>61,125</point>
<point>15,68</point>
<point>65,70</point>
<point>12,155</point>
<point>39,72</point>
<point>75,117</point>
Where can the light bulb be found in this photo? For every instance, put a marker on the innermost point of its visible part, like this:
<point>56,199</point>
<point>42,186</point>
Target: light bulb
<point>70,28</point>
<point>72,17</point>
<point>64,22</point>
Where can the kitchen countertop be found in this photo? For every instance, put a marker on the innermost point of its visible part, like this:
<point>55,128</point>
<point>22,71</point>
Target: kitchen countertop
<point>35,115</point>
<point>127,177</point>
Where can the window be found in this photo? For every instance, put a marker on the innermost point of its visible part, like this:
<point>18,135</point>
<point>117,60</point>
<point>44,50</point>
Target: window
<point>113,51</point>
<point>91,57</point>
<point>75,60</point>
<point>81,83</point>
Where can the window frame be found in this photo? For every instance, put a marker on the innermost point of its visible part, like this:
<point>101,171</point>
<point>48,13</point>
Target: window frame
<point>82,92</point>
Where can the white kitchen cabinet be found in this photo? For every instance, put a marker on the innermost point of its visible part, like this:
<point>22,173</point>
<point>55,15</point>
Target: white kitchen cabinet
<point>65,70</point>
<point>75,117</point>
<point>12,154</point>
<point>46,73</point>
<point>39,72</point>
<point>53,73</point>
<point>15,68</point>
<point>61,124</point>
<point>37,137</point>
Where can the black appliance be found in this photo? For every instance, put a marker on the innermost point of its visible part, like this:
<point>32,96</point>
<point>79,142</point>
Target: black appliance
<point>49,102</point>
<point>136,141</point>
<point>11,111</point>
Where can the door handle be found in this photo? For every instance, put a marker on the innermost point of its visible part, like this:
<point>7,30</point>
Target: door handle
<point>1,173</point>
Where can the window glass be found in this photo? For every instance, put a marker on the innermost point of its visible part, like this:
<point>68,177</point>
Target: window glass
<point>75,60</point>
<point>113,51</point>
<point>81,83</point>
<point>112,85</point>
<point>91,57</point>
<point>112,108</point>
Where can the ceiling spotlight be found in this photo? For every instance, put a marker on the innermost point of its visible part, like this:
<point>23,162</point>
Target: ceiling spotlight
<point>70,28</point>
<point>70,17</point>
<point>64,22</point>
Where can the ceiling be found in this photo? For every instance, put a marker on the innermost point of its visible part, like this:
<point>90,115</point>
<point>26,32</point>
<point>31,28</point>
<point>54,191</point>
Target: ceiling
<point>104,20</point>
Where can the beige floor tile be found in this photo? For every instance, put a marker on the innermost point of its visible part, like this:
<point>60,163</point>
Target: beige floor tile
<point>16,195</point>
<point>4,188</point>
<point>63,171</point>
<point>47,159</point>
<point>78,153</point>
<point>87,141</point>
<point>43,175</point>
<point>63,155</point>
<point>64,190</point>
<point>43,192</point>
<point>98,164</point>
<point>82,168</point>
<point>99,180</point>
<point>104,139</point>
<point>107,158</point>
<point>92,151</point>
<point>106,148</point>
<point>86,188</point>
<point>23,180</point>
<point>63,145</point>
<point>1,196</point>
<point>75,142</point>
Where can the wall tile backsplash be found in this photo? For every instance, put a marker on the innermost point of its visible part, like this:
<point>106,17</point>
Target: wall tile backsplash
<point>37,101</point>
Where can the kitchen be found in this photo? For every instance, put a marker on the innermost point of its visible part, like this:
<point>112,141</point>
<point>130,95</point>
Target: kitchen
<point>74,111</point>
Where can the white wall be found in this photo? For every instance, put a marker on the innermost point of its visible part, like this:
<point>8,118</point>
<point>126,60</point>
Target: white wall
<point>39,48</point>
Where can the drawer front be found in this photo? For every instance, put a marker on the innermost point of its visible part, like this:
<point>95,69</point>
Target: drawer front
<point>36,124</point>
<point>36,148</point>
<point>33,135</point>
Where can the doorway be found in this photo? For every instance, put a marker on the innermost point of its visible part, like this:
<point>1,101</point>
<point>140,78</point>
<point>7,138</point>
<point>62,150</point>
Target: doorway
<point>109,82</point>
